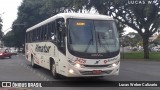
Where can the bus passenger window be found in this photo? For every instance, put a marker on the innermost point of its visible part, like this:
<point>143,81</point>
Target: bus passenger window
<point>61,35</point>
<point>51,30</point>
<point>52,36</point>
<point>45,32</point>
<point>36,34</point>
<point>40,34</point>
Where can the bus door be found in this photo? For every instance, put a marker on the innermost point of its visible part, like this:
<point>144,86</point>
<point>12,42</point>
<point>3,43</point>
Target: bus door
<point>61,45</point>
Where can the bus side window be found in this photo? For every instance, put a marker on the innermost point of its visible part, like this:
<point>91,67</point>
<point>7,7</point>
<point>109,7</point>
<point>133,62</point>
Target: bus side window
<point>40,33</point>
<point>45,32</point>
<point>27,37</point>
<point>49,31</point>
<point>53,31</point>
<point>31,36</point>
<point>36,34</point>
<point>61,35</point>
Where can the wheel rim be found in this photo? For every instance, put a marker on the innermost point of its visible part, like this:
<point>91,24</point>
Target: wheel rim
<point>53,69</point>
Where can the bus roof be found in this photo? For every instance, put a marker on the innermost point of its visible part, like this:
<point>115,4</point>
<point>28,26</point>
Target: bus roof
<point>71,15</point>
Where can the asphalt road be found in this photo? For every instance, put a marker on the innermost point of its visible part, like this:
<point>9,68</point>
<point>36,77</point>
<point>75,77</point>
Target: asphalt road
<point>19,69</point>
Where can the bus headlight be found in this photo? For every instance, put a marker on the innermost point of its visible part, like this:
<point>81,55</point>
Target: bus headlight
<point>115,64</point>
<point>77,65</point>
<point>71,71</point>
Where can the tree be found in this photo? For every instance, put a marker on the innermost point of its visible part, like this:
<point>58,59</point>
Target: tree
<point>146,23</point>
<point>9,39</point>
<point>29,14</point>
<point>1,33</point>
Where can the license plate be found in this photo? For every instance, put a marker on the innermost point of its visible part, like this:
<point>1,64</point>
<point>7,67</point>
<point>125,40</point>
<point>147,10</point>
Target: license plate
<point>97,71</point>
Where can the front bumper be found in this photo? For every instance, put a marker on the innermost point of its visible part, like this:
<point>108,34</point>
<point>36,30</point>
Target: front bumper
<point>86,72</point>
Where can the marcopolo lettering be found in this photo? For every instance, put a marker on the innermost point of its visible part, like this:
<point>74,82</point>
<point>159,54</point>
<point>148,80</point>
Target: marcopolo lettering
<point>42,48</point>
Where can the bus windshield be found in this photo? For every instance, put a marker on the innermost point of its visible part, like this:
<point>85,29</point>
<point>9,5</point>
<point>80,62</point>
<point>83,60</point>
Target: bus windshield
<point>93,36</point>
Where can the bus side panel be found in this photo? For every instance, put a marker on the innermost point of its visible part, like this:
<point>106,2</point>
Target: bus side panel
<point>42,53</point>
<point>52,53</point>
<point>63,64</point>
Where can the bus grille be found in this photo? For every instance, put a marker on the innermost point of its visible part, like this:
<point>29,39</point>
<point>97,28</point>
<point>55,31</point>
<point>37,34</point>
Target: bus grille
<point>97,65</point>
<point>91,73</point>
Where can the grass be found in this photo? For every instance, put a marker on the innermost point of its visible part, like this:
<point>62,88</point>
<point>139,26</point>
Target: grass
<point>140,55</point>
<point>155,55</point>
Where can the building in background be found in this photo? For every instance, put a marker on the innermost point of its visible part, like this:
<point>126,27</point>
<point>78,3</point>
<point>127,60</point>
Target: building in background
<point>1,44</point>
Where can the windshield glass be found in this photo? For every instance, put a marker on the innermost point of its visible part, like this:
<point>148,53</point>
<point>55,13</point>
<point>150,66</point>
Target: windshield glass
<point>93,36</point>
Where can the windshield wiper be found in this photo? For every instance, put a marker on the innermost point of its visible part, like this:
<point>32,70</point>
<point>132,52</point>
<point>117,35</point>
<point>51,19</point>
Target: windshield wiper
<point>89,43</point>
<point>101,44</point>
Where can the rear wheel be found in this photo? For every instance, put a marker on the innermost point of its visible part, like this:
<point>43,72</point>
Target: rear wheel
<point>32,62</point>
<point>10,56</point>
<point>53,70</point>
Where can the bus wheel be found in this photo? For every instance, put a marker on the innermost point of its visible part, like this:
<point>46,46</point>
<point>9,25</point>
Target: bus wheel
<point>10,57</point>
<point>32,62</point>
<point>53,71</point>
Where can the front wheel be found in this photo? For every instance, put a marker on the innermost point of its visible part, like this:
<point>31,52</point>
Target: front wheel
<point>53,71</point>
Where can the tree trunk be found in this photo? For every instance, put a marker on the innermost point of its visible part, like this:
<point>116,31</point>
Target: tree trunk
<point>145,47</point>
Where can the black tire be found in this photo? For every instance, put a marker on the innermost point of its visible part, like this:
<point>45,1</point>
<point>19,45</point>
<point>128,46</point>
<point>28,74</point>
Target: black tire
<point>53,70</point>
<point>32,62</point>
<point>10,57</point>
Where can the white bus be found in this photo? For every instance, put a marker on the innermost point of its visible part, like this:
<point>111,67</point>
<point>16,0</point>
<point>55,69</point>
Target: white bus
<point>75,45</point>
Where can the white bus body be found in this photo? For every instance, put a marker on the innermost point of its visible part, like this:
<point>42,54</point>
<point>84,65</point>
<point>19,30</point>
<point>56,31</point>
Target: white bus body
<point>75,45</point>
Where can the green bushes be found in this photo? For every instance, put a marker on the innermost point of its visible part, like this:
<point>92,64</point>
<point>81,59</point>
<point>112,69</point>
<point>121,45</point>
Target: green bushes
<point>140,55</point>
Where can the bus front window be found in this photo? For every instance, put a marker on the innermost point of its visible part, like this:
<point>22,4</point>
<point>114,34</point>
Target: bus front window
<point>93,36</point>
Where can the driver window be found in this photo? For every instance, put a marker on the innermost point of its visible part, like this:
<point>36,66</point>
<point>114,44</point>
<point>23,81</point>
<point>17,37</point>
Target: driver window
<point>61,35</point>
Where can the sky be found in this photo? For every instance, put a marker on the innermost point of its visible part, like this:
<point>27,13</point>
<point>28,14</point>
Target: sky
<point>8,12</point>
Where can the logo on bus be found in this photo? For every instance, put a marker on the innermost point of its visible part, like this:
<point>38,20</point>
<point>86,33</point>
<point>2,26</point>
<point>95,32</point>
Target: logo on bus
<point>44,48</point>
<point>97,62</point>
<point>100,55</point>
